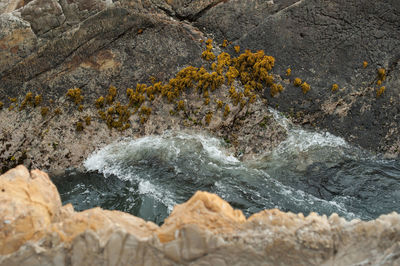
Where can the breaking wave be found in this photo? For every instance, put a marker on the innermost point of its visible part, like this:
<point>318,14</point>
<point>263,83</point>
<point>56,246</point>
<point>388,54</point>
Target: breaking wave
<point>308,172</point>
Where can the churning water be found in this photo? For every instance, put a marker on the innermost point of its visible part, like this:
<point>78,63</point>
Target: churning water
<point>308,172</point>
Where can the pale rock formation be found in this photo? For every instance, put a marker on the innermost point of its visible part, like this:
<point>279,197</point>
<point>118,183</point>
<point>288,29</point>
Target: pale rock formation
<point>36,230</point>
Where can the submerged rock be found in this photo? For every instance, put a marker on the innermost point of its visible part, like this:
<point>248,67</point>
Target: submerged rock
<point>206,230</point>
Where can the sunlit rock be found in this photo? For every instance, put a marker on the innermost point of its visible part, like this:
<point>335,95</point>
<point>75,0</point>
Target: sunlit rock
<point>206,230</point>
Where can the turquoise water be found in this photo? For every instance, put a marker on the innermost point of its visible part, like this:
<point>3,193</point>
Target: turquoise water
<point>308,172</point>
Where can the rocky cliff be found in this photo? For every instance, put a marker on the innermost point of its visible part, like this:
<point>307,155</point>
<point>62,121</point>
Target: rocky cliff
<point>37,230</point>
<point>347,52</point>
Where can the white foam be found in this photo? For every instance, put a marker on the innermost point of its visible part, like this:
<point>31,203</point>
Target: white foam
<point>211,145</point>
<point>110,156</point>
<point>214,149</point>
<point>161,195</point>
<point>301,139</point>
<point>114,158</point>
<point>282,121</point>
<point>145,187</point>
<point>170,143</point>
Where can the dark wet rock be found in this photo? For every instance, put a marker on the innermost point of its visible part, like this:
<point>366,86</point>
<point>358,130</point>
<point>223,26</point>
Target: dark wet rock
<point>48,47</point>
<point>325,43</point>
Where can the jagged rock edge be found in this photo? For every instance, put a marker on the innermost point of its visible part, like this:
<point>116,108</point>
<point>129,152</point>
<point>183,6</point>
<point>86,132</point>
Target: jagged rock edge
<point>205,229</point>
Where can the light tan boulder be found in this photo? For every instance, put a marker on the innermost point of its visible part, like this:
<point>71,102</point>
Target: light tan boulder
<point>29,204</point>
<point>205,210</point>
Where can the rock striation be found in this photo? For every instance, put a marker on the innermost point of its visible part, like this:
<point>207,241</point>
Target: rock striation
<point>48,47</point>
<point>35,229</point>
<point>325,43</point>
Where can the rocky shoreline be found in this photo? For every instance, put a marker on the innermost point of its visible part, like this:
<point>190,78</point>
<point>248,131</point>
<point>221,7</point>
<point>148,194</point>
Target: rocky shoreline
<point>55,142</point>
<point>49,47</point>
<point>77,75</point>
<point>206,230</point>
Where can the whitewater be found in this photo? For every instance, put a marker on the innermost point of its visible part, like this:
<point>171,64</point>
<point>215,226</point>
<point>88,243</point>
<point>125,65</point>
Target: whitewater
<point>308,172</point>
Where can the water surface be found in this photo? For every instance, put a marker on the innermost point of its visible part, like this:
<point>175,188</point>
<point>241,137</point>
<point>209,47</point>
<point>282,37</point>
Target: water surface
<point>308,172</point>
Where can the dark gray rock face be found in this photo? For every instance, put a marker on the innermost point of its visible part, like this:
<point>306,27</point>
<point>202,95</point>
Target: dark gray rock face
<point>231,20</point>
<point>114,46</point>
<point>326,42</point>
<point>49,46</point>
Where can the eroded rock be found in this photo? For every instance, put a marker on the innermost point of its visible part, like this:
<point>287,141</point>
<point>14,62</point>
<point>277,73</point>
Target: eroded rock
<point>48,47</point>
<point>17,41</point>
<point>324,44</point>
<point>206,230</point>
<point>43,15</point>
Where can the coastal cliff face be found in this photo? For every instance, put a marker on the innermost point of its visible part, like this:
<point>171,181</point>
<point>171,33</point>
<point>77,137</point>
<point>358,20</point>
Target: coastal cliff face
<point>92,46</point>
<point>49,47</point>
<point>206,230</point>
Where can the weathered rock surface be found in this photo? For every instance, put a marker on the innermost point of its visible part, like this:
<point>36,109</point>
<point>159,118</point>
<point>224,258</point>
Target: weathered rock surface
<point>206,230</point>
<point>325,43</point>
<point>92,45</point>
<point>48,47</point>
<point>52,142</point>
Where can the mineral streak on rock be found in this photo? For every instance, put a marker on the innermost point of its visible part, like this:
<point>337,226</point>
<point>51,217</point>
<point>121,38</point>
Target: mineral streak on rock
<point>206,230</point>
